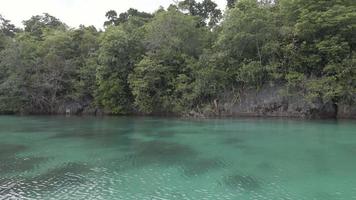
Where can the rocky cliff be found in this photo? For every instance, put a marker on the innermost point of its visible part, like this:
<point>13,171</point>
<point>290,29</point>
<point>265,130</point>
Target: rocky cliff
<point>269,101</point>
<point>272,101</point>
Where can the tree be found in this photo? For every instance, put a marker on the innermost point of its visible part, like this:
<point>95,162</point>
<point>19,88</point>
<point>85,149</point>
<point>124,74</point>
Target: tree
<point>324,33</point>
<point>322,47</point>
<point>12,99</point>
<point>173,33</point>
<point>230,3</point>
<point>249,42</point>
<point>337,86</point>
<point>39,73</point>
<point>85,58</point>
<point>173,40</point>
<point>124,17</point>
<point>207,11</point>
<point>6,28</point>
<point>148,82</point>
<point>39,23</point>
<point>52,77</point>
<point>118,52</point>
<point>112,18</point>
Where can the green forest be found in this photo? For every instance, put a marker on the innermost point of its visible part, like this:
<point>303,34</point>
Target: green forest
<point>181,58</point>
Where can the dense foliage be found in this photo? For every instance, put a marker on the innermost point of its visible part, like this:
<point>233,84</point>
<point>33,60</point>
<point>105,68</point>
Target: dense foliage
<point>181,58</point>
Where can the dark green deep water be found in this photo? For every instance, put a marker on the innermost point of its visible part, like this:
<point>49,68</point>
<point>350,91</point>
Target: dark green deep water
<point>156,158</point>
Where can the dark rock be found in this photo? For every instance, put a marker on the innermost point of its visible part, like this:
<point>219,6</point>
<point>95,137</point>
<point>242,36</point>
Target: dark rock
<point>270,101</point>
<point>247,182</point>
<point>80,107</point>
<point>194,114</point>
<point>74,108</point>
<point>13,164</point>
<point>10,162</point>
<point>156,152</point>
<point>202,166</point>
<point>7,150</point>
<point>322,110</point>
<point>346,111</point>
<point>164,151</point>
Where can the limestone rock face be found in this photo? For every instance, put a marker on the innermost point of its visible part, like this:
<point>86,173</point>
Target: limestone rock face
<point>77,108</point>
<point>271,101</point>
<point>74,108</point>
<point>346,111</point>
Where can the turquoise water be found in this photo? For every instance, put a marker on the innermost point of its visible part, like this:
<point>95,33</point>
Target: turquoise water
<point>156,158</point>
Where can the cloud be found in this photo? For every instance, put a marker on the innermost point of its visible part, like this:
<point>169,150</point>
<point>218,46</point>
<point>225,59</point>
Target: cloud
<point>76,12</point>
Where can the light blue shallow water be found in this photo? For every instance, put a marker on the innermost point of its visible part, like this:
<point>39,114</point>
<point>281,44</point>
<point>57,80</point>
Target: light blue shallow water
<point>156,158</point>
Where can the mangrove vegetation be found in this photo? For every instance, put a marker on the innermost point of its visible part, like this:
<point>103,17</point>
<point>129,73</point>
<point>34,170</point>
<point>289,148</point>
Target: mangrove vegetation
<point>182,58</point>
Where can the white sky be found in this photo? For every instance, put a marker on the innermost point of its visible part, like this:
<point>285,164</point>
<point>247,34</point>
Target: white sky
<point>76,12</point>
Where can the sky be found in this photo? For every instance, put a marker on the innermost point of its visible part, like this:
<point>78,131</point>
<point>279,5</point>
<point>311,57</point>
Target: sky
<point>76,12</point>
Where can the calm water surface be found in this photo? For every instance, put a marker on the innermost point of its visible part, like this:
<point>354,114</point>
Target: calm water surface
<point>155,158</point>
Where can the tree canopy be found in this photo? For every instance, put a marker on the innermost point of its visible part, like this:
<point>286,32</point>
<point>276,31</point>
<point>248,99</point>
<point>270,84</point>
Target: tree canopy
<point>180,58</point>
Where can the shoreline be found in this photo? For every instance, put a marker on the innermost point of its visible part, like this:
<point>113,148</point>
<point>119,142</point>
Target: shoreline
<point>172,116</point>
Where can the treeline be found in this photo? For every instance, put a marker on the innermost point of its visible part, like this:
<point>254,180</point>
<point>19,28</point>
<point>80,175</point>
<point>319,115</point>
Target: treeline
<point>181,58</point>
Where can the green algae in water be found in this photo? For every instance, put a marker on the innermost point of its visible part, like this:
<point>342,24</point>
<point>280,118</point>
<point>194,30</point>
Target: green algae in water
<point>157,158</point>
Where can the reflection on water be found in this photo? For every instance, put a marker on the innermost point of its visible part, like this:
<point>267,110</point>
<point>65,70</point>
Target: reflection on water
<point>154,158</point>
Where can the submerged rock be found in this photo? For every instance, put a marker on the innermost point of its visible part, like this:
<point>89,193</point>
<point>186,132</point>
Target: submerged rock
<point>244,182</point>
